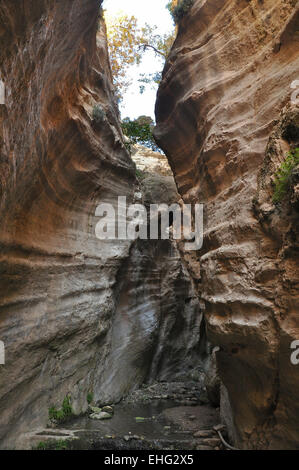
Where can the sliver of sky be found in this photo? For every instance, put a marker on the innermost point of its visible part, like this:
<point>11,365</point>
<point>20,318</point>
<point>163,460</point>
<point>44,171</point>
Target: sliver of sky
<point>153,12</point>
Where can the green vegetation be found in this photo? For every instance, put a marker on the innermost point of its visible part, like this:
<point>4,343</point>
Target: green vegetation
<point>139,419</point>
<point>179,8</point>
<point>140,131</point>
<point>52,445</point>
<point>128,41</point>
<point>64,413</point>
<point>149,79</point>
<point>140,174</point>
<point>89,398</point>
<point>41,446</point>
<point>61,445</point>
<point>98,114</point>
<point>283,175</point>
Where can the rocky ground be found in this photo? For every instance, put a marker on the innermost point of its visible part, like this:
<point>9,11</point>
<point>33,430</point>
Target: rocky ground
<point>166,415</point>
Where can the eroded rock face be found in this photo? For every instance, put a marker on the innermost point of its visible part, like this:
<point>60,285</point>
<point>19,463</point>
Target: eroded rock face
<point>177,341</point>
<point>148,161</point>
<point>78,316</point>
<point>156,329</point>
<point>57,165</point>
<point>225,120</point>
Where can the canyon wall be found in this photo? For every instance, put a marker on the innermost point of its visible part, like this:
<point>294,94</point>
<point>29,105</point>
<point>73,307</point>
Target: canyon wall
<point>226,121</point>
<point>78,316</point>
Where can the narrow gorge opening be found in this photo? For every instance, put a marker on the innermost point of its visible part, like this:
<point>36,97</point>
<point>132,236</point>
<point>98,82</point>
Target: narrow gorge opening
<point>148,297</point>
<point>160,364</point>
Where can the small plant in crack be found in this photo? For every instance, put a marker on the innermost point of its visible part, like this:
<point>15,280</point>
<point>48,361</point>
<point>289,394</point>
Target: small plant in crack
<point>60,444</point>
<point>140,174</point>
<point>89,398</point>
<point>41,446</point>
<point>98,114</point>
<point>283,175</point>
<point>64,413</point>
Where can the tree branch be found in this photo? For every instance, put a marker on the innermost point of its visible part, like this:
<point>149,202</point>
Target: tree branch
<point>149,46</point>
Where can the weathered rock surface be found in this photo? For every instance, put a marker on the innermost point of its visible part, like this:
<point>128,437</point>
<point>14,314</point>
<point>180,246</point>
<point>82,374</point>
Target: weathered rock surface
<point>78,316</point>
<point>100,416</point>
<point>58,281</point>
<point>225,121</point>
<point>157,324</point>
<point>148,161</point>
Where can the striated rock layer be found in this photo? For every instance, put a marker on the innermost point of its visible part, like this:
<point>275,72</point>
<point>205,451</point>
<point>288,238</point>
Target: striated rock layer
<point>225,120</point>
<point>57,280</point>
<point>78,316</point>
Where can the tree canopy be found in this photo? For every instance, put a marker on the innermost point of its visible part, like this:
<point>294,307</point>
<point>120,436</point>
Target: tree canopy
<point>140,131</point>
<point>179,8</point>
<point>127,42</point>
